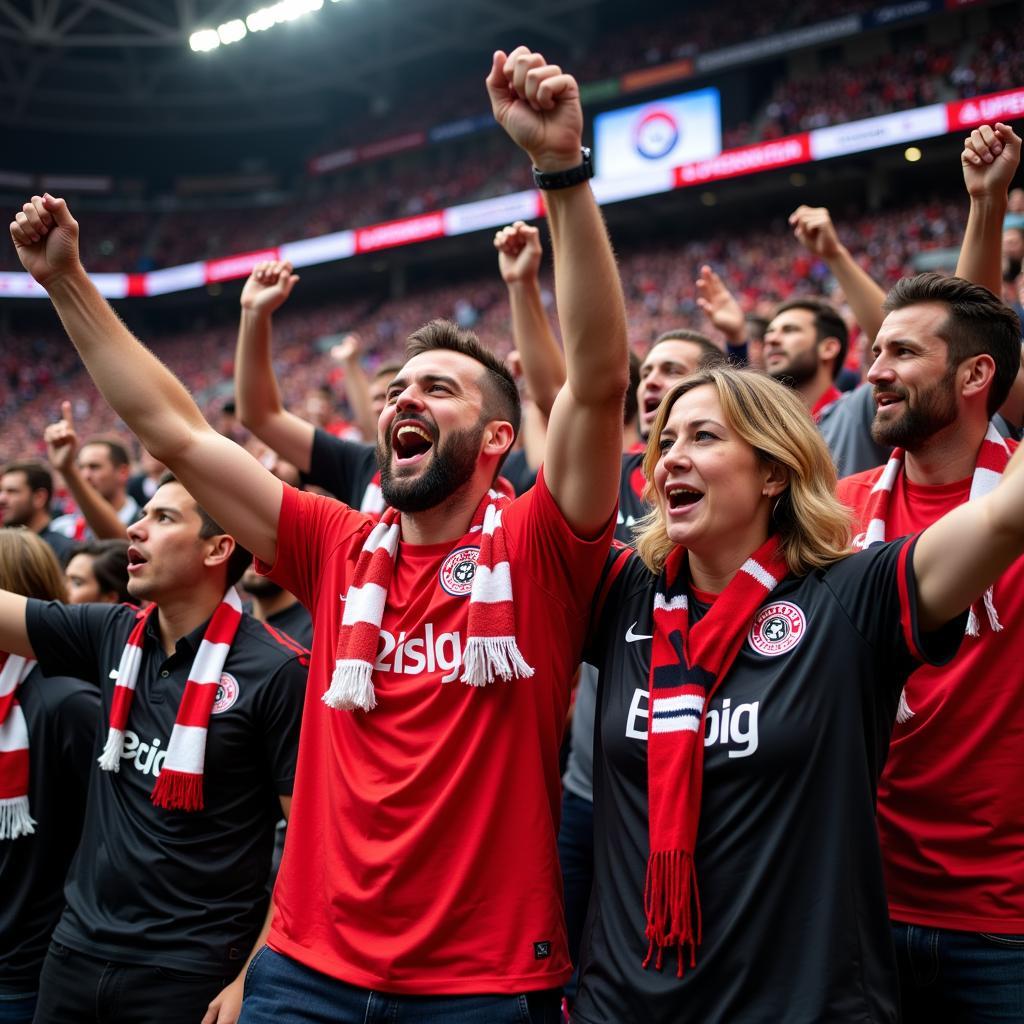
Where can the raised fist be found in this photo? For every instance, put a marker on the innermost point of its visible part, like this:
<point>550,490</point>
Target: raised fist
<point>269,284</point>
<point>45,236</point>
<point>538,106</point>
<point>519,252</point>
<point>61,440</point>
<point>813,229</point>
<point>990,159</point>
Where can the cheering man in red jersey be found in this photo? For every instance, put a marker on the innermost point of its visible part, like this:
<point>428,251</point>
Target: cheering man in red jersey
<point>420,876</point>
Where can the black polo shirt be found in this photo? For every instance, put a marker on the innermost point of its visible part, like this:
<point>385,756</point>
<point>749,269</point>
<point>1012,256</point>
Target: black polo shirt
<point>632,507</point>
<point>295,622</point>
<point>61,715</point>
<point>63,547</point>
<point>175,888</point>
<point>342,468</point>
<point>795,923</point>
<point>516,470</point>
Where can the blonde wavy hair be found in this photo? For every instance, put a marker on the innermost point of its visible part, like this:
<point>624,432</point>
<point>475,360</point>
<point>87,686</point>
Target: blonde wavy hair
<point>29,567</point>
<point>814,526</point>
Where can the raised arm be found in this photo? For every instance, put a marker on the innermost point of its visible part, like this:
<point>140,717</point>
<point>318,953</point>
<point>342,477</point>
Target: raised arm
<point>357,386</point>
<point>719,305</point>
<point>61,451</point>
<point>539,107</point>
<point>969,548</point>
<point>519,256</point>
<point>990,159</point>
<point>814,230</point>
<point>257,396</point>
<point>13,631</point>
<point>228,482</point>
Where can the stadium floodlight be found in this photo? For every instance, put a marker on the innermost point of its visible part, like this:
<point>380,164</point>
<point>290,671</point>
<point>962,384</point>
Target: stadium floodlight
<point>287,10</point>
<point>204,40</point>
<point>232,31</point>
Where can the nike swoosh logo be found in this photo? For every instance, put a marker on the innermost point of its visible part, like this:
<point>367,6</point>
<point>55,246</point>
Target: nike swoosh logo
<point>631,637</point>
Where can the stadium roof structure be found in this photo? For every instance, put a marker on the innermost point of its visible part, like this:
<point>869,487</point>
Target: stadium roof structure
<point>125,67</point>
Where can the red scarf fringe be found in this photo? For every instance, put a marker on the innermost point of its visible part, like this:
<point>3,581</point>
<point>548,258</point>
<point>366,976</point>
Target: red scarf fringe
<point>178,791</point>
<point>672,905</point>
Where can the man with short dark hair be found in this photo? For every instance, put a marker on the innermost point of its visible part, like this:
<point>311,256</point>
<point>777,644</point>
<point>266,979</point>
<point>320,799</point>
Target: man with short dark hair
<point>950,815</point>
<point>97,477</point>
<point>201,707</point>
<point>805,348</point>
<point>421,873</point>
<point>26,490</point>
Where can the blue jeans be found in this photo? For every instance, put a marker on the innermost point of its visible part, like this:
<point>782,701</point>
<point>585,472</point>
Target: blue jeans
<point>959,977</point>
<point>576,854</point>
<point>278,990</point>
<point>17,1009</point>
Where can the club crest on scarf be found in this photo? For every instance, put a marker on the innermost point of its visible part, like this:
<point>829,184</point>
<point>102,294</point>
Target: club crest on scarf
<point>687,667</point>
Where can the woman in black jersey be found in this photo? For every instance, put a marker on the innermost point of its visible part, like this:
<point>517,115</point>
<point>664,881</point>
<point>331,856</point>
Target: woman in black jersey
<point>751,669</point>
<point>47,728</point>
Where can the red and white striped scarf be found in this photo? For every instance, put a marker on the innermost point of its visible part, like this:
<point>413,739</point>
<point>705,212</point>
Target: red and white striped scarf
<point>491,648</point>
<point>373,497</point>
<point>179,785</point>
<point>992,459</point>
<point>15,819</point>
<point>687,667</point>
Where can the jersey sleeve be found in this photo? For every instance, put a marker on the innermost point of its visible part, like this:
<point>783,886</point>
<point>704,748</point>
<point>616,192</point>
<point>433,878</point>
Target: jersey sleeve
<point>68,639</point>
<point>878,591</point>
<point>564,566</point>
<point>280,711</point>
<point>310,529</point>
<point>343,468</point>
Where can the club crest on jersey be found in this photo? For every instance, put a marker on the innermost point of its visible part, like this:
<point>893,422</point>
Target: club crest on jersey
<point>227,694</point>
<point>777,628</point>
<point>458,570</point>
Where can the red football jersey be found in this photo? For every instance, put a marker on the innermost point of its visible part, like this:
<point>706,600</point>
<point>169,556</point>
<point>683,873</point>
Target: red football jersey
<point>421,854</point>
<point>950,811</point>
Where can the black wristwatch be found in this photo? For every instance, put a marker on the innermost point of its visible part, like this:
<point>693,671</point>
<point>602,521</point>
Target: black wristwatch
<point>549,180</point>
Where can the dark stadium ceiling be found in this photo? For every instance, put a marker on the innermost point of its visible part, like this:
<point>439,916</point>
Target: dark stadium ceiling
<point>111,67</point>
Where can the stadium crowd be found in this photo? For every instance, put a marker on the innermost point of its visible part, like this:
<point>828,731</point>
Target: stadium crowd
<point>778,621</point>
<point>824,92</point>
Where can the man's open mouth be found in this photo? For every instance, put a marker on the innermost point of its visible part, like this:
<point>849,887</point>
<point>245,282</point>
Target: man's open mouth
<point>410,441</point>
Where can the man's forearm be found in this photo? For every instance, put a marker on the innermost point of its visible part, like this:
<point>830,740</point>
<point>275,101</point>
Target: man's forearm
<point>140,389</point>
<point>981,258</point>
<point>256,392</point>
<point>541,355</point>
<point>259,399</point>
<point>864,296</point>
<point>591,308</point>
<point>13,630</point>
<point>99,513</point>
<point>357,387</point>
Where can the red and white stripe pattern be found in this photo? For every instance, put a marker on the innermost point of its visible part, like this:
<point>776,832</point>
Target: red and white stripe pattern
<point>15,819</point>
<point>373,497</point>
<point>180,783</point>
<point>687,667</point>
<point>491,649</point>
<point>992,459</point>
